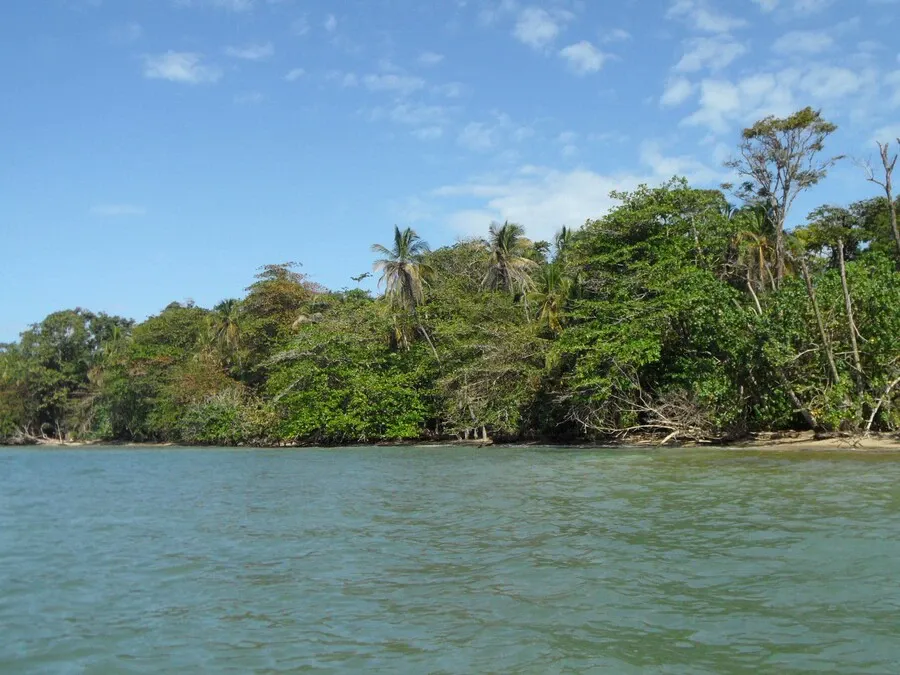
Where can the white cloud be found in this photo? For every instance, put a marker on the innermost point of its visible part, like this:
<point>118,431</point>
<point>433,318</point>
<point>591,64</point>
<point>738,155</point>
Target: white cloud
<point>330,23</point>
<point>677,91</point>
<point>713,53</point>
<point>888,134</point>
<point>803,42</point>
<point>665,166</point>
<point>892,80</point>
<point>701,16</point>
<point>430,58</point>
<point>540,198</point>
<point>543,199</point>
<point>568,143</point>
<point>583,57</point>
<point>827,82</point>
<point>117,210</point>
<point>300,26</point>
<point>798,7</point>
<point>184,67</point>
<point>400,84</point>
<point>413,114</point>
<point>478,137</point>
<point>252,52</point>
<point>617,35</point>
<point>725,104</point>
<point>295,74</point>
<point>537,27</point>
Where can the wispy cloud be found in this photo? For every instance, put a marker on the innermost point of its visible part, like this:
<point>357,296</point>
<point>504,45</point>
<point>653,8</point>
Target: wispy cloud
<point>616,35</point>
<point>544,198</point>
<point>392,82</point>
<point>430,58</point>
<point>117,210</point>
<point>500,132</point>
<point>251,52</point>
<point>678,90</point>
<point>537,27</point>
<point>300,26</point>
<point>583,57</point>
<point>711,53</point>
<point>330,23</point>
<point>700,15</point>
<point>183,67</point>
<point>724,104</point>
<point>478,137</point>
<point>803,42</point>
<point>295,74</point>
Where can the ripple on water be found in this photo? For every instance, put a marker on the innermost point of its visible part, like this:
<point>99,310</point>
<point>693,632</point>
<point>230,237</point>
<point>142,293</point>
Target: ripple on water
<point>448,561</point>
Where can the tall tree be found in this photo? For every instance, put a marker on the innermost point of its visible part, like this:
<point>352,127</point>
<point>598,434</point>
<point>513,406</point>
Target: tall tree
<point>552,291</point>
<point>403,272</point>
<point>404,275</point>
<point>779,159</point>
<point>509,269</point>
<point>888,163</point>
<point>226,328</point>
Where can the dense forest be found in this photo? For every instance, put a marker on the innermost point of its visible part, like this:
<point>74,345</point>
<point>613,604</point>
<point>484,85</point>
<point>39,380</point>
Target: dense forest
<point>684,313</point>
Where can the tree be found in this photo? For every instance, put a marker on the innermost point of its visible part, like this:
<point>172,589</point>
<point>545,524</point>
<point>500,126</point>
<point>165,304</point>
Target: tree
<point>552,290</point>
<point>404,275</point>
<point>509,269</point>
<point>754,244</point>
<point>779,159</point>
<point>888,163</point>
<point>403,272</point>
<point>226,328</point>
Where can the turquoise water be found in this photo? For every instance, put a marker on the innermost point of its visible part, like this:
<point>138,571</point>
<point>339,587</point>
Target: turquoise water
<point>448,561</point>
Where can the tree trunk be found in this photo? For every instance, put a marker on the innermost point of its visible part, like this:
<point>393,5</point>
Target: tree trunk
<point>888,190</point>
<point>852,324</point>
<point>802,409</point>
<point>884,397</point>
<point>779,248</point>
<point>826,343</point>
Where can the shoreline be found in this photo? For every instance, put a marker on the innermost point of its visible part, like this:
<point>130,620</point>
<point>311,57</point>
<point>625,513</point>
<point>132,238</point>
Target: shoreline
<point>805,441</point>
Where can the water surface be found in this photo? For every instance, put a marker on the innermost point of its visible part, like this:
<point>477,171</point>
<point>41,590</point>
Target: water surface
<point>448,561</point>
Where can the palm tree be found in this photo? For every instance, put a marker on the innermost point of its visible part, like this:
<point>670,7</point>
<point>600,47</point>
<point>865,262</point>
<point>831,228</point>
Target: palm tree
<point>404,275</point>
<point>509,269</point>
<point>226,327</point>
<point>755,249</point>
<point>552,292</point>
<point>403,272</point>
<point>563,240</point>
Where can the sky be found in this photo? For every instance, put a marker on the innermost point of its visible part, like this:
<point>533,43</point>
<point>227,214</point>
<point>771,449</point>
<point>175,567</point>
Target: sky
<point>162,150</point>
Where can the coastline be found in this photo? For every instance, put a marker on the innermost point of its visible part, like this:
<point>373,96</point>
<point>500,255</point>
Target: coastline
<point>803,441</point>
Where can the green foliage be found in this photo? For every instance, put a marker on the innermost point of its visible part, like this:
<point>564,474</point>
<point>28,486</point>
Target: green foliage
<point>227,417</point>
<point>675,314</point>
<point>339,381</point>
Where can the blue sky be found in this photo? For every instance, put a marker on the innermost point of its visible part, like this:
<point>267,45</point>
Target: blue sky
<point>159,150</point>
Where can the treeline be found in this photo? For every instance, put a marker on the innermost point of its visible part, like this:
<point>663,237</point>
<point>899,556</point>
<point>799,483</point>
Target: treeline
<point>678,314</point>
